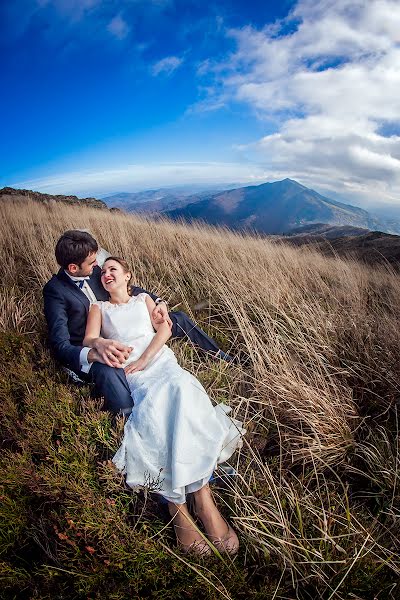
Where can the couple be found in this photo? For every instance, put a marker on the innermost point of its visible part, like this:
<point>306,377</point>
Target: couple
<point>115,335</point>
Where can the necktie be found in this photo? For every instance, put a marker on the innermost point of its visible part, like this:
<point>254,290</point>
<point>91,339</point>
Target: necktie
<point>81,284</point>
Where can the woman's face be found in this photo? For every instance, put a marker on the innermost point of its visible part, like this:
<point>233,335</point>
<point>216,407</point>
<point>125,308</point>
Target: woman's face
<point>113,276</point>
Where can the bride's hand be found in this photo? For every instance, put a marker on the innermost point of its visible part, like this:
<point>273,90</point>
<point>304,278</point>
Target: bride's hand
<point>111,352</point>
<point>137,365</point>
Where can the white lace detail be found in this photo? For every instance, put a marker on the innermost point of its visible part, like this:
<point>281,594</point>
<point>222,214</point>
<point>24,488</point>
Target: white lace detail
<point>142,297</point>
<point>111,305</point>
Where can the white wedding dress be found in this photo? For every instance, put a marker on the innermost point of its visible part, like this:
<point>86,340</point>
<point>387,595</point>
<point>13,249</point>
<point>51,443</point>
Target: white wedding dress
<point>174,436</point>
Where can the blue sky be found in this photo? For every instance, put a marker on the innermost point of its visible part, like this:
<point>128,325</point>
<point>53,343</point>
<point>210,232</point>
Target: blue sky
<point>105,96</point>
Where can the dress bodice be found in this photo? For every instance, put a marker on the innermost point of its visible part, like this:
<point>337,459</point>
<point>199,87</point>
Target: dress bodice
<point>128,323</point>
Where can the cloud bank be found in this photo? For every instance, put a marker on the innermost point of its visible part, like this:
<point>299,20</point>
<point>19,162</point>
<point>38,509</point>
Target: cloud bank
<point>327,78</point>
<point>144,176</point>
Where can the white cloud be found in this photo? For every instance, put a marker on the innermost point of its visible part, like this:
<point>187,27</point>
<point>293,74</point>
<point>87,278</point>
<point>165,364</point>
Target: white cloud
<point>74,10</point>
<point>167,65</point>
<point>142,176</point>
<point>329,85</point>
<point>118,27</point>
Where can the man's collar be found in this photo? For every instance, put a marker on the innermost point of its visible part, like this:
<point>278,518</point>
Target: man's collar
<point>76,279</point>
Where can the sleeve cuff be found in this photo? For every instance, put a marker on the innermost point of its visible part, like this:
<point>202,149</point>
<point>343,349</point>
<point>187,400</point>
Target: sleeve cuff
<point>83,360</point>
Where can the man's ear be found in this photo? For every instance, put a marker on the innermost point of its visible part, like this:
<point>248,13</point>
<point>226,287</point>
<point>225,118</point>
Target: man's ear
<point>72,268</point>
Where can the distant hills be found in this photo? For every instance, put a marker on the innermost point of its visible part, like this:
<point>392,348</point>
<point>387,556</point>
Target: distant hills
<point>270,208</point>
<point>162,199</point>
<point>152,201</point>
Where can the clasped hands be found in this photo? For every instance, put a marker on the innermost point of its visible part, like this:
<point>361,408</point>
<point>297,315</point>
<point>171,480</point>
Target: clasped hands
<point>113,353</point>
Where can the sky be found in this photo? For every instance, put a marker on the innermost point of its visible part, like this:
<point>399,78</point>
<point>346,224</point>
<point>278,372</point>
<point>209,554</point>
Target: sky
<point>104,96</point>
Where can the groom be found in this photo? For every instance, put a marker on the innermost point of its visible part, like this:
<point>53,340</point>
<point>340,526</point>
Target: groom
<point>67,299</point>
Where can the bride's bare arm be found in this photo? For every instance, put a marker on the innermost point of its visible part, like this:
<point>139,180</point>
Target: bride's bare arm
<point>93,327</point>
<point>109,352</point>
<point>163,334</point>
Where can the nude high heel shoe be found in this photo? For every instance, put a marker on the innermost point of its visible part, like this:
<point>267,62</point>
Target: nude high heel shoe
<point>228,543</point>
<point>200,548</point>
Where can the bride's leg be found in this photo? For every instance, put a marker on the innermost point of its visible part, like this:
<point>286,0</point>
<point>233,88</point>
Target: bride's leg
<point>218,530</point>
<point>188,536</point>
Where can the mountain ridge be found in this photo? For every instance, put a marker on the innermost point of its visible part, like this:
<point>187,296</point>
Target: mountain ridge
<point>271,207</point>
<point>9,193</point>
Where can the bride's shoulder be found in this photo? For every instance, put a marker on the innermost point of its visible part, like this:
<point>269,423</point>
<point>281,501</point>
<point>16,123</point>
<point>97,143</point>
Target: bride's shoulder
<point>99,303</point>
<point>141,297</point>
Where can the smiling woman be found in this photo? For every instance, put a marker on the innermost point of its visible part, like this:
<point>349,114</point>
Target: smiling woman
<point>174,437</point>
<point>115,273</point>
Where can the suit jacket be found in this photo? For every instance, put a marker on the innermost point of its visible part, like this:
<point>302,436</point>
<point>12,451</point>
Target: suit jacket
<point>66,309</point>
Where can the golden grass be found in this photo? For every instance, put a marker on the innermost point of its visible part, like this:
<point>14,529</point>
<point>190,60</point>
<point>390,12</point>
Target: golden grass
<point>318,339</point>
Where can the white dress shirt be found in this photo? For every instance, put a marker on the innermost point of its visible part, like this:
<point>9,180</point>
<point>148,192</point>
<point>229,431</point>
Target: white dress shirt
<point>87,290</point>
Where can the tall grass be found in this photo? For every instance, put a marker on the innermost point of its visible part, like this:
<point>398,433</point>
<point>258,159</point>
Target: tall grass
<point>316,500</point>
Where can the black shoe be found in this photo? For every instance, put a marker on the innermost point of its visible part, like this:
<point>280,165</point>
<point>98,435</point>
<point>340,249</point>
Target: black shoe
<point>224,356</point>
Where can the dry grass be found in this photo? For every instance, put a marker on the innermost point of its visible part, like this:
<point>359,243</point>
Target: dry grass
<point>317,497</point>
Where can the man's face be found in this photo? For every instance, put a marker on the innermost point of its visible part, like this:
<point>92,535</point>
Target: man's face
<point>86,268</point>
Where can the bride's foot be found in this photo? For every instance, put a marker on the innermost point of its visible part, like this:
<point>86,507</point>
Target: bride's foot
<point>219,532</point>
<point>188,536</point>
<point>227,543</point>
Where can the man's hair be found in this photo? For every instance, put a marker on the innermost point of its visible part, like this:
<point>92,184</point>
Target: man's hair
<point>74,246</point>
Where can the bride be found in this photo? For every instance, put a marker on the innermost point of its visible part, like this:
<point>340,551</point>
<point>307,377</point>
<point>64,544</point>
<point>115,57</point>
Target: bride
<point>174,436</point>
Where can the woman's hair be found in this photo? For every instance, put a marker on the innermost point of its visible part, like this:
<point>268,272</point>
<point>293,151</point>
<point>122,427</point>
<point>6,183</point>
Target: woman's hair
<point>74,246</point>
<point>125,268</point>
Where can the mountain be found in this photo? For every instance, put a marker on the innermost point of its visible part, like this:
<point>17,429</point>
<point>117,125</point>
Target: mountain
<point>272,208</point>
<point>8,193</point>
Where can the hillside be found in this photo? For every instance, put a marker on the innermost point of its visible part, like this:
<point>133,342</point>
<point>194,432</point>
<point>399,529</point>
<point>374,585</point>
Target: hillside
<point>8,193</point>
<point>317,496</point>
<point>370,247</point>
<point>329,232</point>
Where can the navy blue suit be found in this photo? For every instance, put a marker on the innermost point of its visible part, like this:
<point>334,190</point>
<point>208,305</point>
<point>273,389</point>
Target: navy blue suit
<point>66,309</point>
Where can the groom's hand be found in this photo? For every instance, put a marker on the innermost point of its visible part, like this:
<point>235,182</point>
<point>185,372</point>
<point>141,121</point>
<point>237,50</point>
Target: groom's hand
<point>160,314</point>
<point>111,352</point>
